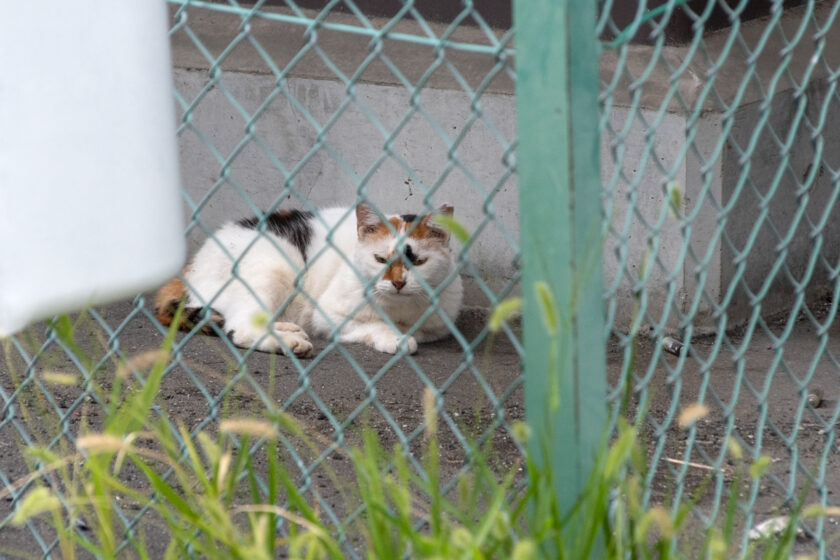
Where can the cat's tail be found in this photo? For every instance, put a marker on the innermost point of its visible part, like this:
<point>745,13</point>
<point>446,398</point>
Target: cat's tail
<point>169,298</point>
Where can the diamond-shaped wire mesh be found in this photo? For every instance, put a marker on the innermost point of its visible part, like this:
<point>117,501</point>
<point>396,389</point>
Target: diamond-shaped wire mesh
<point>719,130</point>
<point>281,107</point>
<point>720,173</point>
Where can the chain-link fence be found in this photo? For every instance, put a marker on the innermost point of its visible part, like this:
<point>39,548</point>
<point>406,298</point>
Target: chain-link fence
<point>720,174</point>
<point>283,107</point>
<point>719,131</point>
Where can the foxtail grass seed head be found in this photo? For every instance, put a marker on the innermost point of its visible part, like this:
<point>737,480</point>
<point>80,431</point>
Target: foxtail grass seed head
<point>430,412</point>
<point>248,426</point>
<point>760,466</point>
<point>819,510</point>
<point>734,449</point>
<point>521,432</point>
<point>664,522</point>
<point>675,199</point>
<point>462,539</point>
<point>224,468</point>
<point>659,517</point>
<point>100,443</point>
<point>212,452</point>
<point>549,310</point>
<point>129,439</point>
<point>501,525</point>
<point>692,413</point>
<point>58,378</point>
<point>524,550</point>
<point>506,310</point>
<point>717,545</point>
<point>261,532</point>
<point>36,502</point>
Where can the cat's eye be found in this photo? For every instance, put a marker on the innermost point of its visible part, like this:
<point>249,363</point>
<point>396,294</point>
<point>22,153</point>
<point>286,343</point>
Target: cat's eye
<point>418,262</point>
<point>380,259</point>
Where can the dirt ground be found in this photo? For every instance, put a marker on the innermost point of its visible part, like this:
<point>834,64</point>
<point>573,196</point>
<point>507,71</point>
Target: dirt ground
<point>759,391</point>
<point>332,400</point>
<point>750,389</point>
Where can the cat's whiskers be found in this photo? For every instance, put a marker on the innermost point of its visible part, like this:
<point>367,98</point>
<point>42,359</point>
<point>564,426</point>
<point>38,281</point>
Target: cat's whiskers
<point>387,292</point>
<point>420,291</point>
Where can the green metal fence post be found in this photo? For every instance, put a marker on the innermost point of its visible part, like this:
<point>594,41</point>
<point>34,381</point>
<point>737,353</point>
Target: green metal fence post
<point>559,186</point>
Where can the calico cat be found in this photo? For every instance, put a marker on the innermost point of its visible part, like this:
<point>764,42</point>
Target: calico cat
<point>332,259</point>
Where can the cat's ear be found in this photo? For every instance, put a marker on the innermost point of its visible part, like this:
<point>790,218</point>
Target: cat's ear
<point>434,230</point>
<point>367,220</point>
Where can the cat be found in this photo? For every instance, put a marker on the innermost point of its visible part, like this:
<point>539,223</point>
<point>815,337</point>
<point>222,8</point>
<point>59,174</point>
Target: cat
<point>331,259</point>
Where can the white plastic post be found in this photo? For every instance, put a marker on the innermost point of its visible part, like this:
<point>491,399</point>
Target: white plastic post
<point>90,209</point>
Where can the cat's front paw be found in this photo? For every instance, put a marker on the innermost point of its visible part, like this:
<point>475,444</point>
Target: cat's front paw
<point>390,343</point>
<point>292,336</point>
<point>295,338</point>
<point>300,347</point>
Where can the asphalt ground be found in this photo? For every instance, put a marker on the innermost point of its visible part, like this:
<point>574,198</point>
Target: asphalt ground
<point>333,397</point>
<point>753,393</point>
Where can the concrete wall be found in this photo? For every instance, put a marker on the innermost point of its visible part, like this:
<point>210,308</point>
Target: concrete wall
<point>279,165</point>
<point>662,131</point>
<point>725,145</point>
<point>634,206</point>
<point>784,214</point>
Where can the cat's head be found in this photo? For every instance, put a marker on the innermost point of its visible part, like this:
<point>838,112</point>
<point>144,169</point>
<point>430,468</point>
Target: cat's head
<point>426,248</point>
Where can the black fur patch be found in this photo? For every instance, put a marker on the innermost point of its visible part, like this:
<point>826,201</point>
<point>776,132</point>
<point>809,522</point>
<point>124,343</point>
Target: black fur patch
<point>291,225</point>
<point>408,218</point>
<point>194,315</point>
<point>409,254</point>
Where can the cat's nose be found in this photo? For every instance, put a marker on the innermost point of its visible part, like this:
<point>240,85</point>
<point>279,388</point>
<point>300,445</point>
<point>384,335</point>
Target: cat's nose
<point>398,284</point>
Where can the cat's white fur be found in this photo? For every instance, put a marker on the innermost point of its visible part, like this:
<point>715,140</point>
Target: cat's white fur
<point>268,266</point>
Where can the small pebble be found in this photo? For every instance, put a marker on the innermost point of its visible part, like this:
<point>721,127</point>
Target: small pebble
<point>815,398</point>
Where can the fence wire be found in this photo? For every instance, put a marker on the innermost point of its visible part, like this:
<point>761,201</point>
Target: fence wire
<point>720,181</point>
<point>283,107</point>
<point>720,178</point>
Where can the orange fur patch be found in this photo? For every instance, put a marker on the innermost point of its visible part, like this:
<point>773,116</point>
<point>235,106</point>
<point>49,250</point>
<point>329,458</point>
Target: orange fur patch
<point>426,231</point>
<point>397,222</point>
<point>423,230</point>
<point>395,272</point>
<point>167,299</point>
<point>384,231</point>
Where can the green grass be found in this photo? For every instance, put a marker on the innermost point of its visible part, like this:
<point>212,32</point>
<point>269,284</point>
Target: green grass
<point>211,499</point>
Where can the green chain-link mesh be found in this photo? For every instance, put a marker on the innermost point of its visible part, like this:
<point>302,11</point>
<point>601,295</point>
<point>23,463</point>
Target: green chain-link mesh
<point>236,162</point>
<point>720,186</point>
<point>720,174</point>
